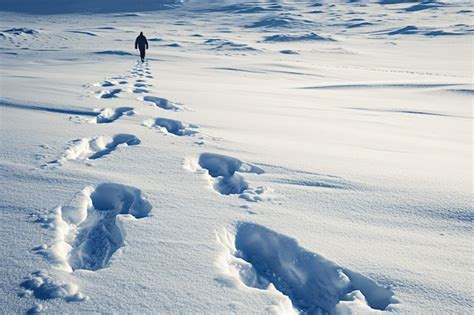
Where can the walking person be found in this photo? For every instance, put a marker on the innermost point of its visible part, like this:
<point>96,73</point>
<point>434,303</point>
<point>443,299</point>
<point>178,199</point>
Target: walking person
<point>142,44</point>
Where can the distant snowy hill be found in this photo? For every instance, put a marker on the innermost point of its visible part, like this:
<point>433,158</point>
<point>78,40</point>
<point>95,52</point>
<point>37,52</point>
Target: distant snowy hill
<point>232,6</point>
<point>82,6</point>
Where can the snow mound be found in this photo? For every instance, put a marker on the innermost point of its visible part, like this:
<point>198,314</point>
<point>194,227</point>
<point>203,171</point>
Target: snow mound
<point>172,126</point>
<point>410,29</point>
<point>223,44</point>
<point>260,258</point>
<point>425,5</point>
<point>21,31</point>
<point>174,45</point>
<point>442,33</point>
<point>296,38</point>
<point>281,21</point>
<point>361,24</point>
<point>396,1</point>
<point>243,8</point>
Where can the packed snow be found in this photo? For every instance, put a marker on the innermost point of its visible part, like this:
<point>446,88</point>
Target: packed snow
<point>283,157</point>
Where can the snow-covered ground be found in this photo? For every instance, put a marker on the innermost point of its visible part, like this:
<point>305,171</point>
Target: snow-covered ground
<point>268,157</point>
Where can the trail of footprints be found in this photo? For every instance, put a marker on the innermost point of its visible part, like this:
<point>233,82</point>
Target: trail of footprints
<point>86,149</point>
<point>87,229</point>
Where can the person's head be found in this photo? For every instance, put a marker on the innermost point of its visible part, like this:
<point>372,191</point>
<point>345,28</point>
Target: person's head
<point>141,33</point>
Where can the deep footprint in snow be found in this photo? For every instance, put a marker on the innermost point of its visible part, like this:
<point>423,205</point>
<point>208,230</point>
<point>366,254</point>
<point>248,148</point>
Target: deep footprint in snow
<point>95,147</point>
<point>224,175</point>
<point>107,84</point>
<point>109,93</point>
<point>141,84</point>
<point>162,103</point>
<point>88,231</point>
<point>96,235</point>
<point>43,286</point>
<point>258,257</point>
<point>139,90</point>
<point>108,115</point>
<point>172,126</point>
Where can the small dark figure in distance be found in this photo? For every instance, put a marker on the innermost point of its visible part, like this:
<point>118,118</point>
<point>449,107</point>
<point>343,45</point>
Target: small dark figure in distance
<point>142,44</point>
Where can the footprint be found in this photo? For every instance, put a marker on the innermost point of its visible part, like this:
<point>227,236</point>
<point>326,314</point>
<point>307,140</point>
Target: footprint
<point>175,127</point>
<point>161,103</point>
<point>223,171</point>
<point>140,90</point>
<point>87,234</point>
<point>140,85</point>
<point>224,175</point>
<point>43,286</point>
<point>109,93</point>
<point>93,235</point>
<point>94,148</point>
<point>226,166</point>
<point>108,115</point>
<point>257,257</point>
<point>107,83</point>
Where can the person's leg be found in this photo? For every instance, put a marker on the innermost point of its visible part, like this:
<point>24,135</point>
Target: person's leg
<point>142,54</point>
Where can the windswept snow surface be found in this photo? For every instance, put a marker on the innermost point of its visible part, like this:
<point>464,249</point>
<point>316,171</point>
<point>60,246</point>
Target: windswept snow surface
<point>268,157</point>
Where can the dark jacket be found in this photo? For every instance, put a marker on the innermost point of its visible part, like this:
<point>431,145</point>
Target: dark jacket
<point>141,42</point>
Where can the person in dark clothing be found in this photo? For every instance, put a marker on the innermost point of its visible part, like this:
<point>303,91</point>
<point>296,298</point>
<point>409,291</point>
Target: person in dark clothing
<point>142,44</point>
